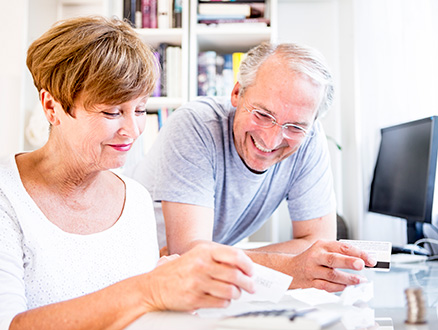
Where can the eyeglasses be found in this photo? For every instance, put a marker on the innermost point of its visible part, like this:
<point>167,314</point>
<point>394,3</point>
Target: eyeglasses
<point>266,120</point>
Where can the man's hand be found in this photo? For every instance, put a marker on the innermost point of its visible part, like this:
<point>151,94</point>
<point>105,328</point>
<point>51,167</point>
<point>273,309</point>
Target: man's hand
<point>318,266</point>
<point>209,275</point>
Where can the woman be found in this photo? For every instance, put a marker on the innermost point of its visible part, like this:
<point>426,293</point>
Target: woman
<point>78,243</point>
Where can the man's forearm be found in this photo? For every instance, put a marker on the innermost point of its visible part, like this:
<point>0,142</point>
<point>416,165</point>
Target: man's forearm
<point>294,246</point>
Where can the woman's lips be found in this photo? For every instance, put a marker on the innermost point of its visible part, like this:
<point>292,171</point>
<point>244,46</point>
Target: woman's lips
<point>121,147</point>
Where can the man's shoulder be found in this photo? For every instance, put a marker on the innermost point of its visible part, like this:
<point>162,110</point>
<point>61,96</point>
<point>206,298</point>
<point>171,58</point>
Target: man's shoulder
<point>207,108</point>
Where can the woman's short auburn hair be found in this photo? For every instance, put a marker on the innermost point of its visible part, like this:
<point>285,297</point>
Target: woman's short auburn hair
<point>101,59</point>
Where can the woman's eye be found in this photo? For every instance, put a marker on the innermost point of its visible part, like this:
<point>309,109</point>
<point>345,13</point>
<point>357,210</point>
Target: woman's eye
<point>111,114</point>
<point>141,112</point>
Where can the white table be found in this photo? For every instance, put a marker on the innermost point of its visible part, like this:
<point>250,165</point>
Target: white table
<point>389,302</point>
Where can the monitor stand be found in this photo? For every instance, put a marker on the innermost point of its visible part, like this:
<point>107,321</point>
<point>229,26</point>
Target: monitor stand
<point>414,231</point>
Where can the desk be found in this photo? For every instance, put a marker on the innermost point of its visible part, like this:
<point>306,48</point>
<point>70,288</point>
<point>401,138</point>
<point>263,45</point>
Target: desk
<point>389,301</point>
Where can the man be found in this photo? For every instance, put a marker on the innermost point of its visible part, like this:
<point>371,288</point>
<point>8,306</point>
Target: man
<point>221,167</point>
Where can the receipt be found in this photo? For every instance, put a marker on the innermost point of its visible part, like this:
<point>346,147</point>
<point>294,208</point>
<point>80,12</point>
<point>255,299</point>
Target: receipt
<point>270,285</point>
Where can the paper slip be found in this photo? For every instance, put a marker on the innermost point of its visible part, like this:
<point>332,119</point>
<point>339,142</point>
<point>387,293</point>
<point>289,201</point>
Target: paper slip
<point>352,294</point>
<point>270,285</point>
<point>379,251</point>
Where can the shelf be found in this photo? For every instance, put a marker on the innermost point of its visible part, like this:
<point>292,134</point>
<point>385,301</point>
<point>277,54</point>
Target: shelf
<point>230,39</point>
<point>154,103</point>
<point>154,37</point>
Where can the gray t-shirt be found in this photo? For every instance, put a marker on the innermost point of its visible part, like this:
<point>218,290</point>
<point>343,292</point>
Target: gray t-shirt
<point>194,161</point>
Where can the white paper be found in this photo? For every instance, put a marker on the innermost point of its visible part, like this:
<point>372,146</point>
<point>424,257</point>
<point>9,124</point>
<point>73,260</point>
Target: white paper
<point>270,285</point>
<point>352,294</point>
<point>313,297</point>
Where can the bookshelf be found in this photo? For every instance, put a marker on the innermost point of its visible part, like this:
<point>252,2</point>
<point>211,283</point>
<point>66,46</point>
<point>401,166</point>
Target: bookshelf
<point>175,37</point>
<point>225,38</point>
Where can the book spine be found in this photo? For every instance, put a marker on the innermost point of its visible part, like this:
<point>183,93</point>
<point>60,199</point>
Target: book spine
<point>258,20</point>
<point>224,9</point>
<point>163,62</point>
<point>150,132</point>
<point>163,14</point>
<point>153,14</point>
<point>170,71</point>
<point>138,15</point>
<point>231,1</point>
<point>133,10</point>
<point>207,73</point>
<point>146,13</point>
<point>157,90</point>
<point>127,10</point>
<point>228,75</point>
<point>178,71</point>
<point>177,13</point>
<point>237,58</point>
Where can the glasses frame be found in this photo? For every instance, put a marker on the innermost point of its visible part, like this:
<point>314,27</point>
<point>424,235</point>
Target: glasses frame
<point>274,122</point>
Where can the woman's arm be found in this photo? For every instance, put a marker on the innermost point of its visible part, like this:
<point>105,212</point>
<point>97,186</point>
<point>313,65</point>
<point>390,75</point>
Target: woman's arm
<point>210,275</point>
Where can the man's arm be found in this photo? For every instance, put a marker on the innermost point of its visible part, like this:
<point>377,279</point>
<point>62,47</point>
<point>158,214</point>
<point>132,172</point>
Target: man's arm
<point>305,233</point>
<point>188,225</point>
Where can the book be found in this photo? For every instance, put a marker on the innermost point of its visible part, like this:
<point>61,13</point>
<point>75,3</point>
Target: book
<point>157,90</point>
<point>207,73</point>
<point>219,81</point>
<point>163,63</point>
<point>228,75</point>
<point>150,132</point>
<point>146,13</point>
<point>163,113</point>
<point>237,58</point>
<point>173,71</point>
<point>149,14</point>
<point>231,1</point>
<point>164,13</point>
<point>259,21</point>
<point>224,9</point>
<point>153,13</point>
<point>138,16</point>
<point>219,17</point>
<point>177,13</point>
<point>129,11</point>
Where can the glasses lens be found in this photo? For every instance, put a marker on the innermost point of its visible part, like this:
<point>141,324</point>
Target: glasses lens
<point>294,132</point>
<point>262,119</point>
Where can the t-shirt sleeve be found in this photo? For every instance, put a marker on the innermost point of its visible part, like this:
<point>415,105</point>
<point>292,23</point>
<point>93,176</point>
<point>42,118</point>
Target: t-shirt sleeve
<point>311,194</point>
<point>180,166</point>
<point>12,290</point>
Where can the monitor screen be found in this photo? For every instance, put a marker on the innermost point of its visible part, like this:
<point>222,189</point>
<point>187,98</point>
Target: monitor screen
<point>404,176</point>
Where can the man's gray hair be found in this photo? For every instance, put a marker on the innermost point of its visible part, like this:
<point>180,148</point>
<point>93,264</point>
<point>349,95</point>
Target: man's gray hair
<point>301,59</point>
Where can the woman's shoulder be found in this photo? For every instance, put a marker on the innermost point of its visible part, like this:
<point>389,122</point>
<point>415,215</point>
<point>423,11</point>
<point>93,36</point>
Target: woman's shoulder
<point>8,172</point>
<point>133,187</point>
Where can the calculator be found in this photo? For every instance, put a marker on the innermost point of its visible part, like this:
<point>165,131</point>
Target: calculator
<point>282,319</point>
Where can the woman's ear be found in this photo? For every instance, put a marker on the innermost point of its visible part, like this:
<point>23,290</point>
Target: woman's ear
<point>51,107</point>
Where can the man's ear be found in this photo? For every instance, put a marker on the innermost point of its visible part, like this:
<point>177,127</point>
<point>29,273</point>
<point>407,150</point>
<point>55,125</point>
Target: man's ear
<point>235,94</point>
<point>51,107</point>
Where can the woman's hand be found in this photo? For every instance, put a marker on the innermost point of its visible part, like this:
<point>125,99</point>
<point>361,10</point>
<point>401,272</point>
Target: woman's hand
<point>209,275</point>
<point>166,259</point>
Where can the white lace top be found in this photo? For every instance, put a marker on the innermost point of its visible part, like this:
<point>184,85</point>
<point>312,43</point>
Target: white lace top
<point>42,264</point>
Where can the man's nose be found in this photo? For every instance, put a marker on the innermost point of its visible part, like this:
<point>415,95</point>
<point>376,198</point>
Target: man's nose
<point>273,136</point>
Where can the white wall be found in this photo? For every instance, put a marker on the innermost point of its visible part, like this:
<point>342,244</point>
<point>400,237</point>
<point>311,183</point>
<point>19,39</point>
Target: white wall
<point>347,32</point>
<point>383,54</point>
<point>13,15</point>
<point>397,52</point>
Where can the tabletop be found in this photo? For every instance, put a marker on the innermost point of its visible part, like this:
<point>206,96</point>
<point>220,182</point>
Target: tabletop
<point>388,306</point>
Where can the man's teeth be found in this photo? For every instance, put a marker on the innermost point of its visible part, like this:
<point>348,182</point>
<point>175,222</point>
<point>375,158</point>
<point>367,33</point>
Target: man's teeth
<point>258,146</point>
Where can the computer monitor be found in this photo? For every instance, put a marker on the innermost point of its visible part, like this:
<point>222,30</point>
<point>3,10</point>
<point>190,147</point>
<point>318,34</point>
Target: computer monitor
<point>403,185</point>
